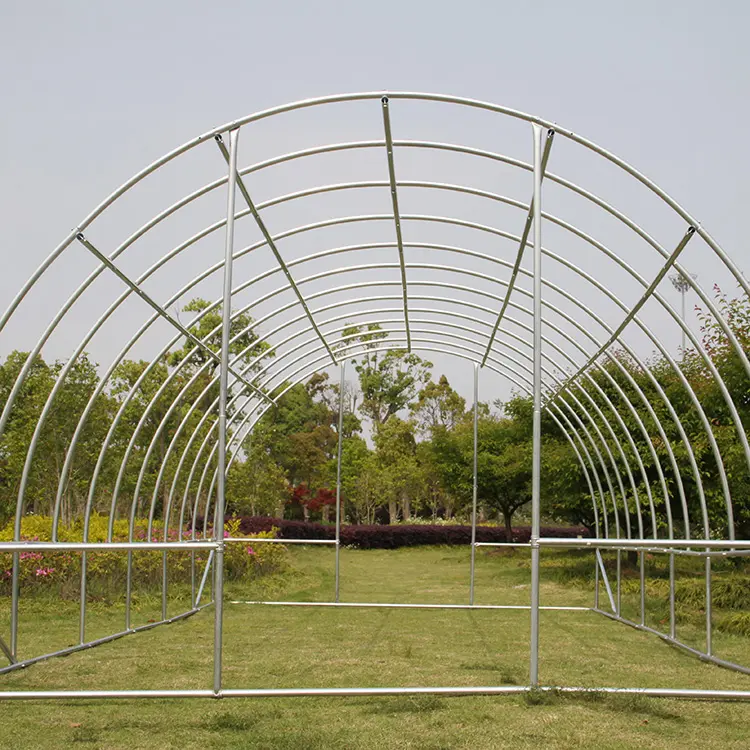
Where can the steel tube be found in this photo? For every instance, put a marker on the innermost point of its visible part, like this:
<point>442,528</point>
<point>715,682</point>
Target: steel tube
<point>521,248</point>
<point>391,605</point>
<point>271,244</point>
<point>396,213</point>
<point>536,465</point>
<point>338,481</point>
<point>722,544</point>
<point>99,641</point>
<point>475,481</point>
<point>688,694</point>
<point>204,578</point>
<point>103,546</point>
<point>706,657</point>
<point>223,383</point>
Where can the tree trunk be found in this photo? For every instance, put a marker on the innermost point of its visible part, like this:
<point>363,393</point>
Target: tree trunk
<point>405,507</point>
<point>392,511</point>
<point>508,519</point>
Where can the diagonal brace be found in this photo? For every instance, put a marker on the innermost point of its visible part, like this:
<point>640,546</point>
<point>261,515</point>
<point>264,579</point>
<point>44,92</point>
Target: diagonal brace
<point>8,653</point>
<point>396,213</point>
<point>633,312</point>
<point>164,314</point>
<point>605,577</point>
<point>521,248</point>
<point>269,240</point>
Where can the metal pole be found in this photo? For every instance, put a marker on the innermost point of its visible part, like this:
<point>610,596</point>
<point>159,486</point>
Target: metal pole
<point>596,584</point>
<point>164,583</point>
<point>338,481</point>
<point>15,595</point>
<point>672,607</point>
<point>537,425</point>
<point>223,383</point>
<point>84,598</point>
<point>709,607</point>
<point>474,488</point>
<point>396,214</point>
<point>642,568</point>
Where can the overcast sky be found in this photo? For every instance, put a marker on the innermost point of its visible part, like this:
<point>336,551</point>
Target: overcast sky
<point>94,91</point>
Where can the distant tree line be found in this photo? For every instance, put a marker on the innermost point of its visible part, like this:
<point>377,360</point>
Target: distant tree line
<point>418,459</point>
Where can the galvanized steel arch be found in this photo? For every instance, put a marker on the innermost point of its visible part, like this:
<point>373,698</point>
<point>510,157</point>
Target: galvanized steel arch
<point>595,425</point>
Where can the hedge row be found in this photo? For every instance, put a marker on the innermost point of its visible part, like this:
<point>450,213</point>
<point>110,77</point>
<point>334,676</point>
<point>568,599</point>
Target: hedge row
<point>402,535</point>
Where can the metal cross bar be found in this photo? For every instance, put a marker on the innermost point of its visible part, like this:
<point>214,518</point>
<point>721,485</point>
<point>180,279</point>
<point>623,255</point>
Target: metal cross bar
<point>272,245</point>
<point>396,213</point>
<point>521,248</point>
<point>164,314</point>
<point>633,310</point>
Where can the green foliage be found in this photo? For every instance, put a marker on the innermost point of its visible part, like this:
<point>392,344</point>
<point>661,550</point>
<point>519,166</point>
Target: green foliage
<point>244,342</point>
<point>257,485</point>
<point>437,406</point>
<point>420,460</point>
<point>106,570</point>
<point>388,380</point>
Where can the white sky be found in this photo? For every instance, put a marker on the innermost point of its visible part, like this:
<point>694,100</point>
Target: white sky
<point>94,91</point>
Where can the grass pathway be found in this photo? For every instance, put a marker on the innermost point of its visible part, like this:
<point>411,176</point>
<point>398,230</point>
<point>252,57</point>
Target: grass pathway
<point>319,647</point>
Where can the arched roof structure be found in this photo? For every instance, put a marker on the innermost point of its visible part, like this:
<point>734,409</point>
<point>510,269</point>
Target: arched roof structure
<point>441,263</point>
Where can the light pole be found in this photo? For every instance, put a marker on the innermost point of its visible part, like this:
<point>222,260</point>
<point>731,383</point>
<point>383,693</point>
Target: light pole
<point>682,284</point>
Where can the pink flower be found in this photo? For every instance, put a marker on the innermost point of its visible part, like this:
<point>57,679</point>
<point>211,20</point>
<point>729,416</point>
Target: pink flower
<point>250,551</point>
<point>44,571</point>
<point>226,534</point>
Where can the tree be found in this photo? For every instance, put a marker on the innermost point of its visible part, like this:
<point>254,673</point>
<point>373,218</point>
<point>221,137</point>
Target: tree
<point>243,339</point>
<point>388,381</point>
<point>360,488</point>
<point>257,485</point>
<point>437,405</point>
<point>504,460</point>
<point>395,455</point>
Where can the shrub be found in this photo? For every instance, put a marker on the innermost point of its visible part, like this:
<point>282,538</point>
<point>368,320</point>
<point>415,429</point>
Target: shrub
<point>245,560</point>
<point>60,572</point>
<point>399,535</point>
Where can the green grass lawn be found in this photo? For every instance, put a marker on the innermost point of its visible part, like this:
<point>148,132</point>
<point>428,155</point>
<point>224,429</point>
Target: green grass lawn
<point>269,646</point>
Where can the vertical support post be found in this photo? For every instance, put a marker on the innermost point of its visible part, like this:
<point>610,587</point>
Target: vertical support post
<point>672,618</point>
<point>128,588</point>
<point>192,577</point>
<point>642,564</point>
<point>84,599</point>
<point>223,387</point>
<point>619,582</point>
<point>338,481</point>
<point>164,585</point>
<point>709,607</point>
<point>537,425</point>
<point>474,487</point>
<point>15,594</point>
